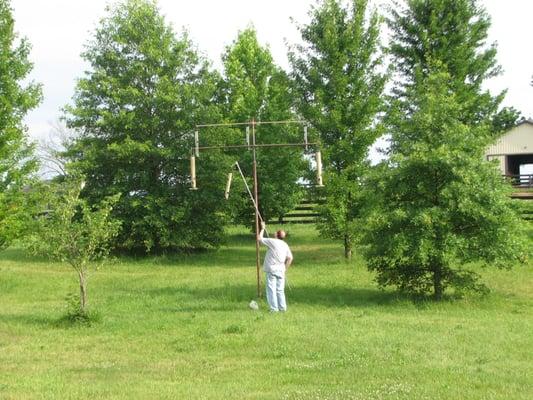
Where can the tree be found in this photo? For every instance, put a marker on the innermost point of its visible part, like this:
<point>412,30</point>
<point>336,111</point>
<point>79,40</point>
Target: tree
<point>255,88</point>
<point>135,111</point>
<point>74,232</point>
<point>439,205</point>
<point>17,97</point>
<point>339,77</point>
<point>451,32</point>
<point>51,151</point>
<point>506,119</point>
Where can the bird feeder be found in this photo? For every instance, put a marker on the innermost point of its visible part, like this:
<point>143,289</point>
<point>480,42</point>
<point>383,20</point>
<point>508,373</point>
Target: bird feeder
<point>318,157</point>
<point>193,173</point>
<point>228,186</point>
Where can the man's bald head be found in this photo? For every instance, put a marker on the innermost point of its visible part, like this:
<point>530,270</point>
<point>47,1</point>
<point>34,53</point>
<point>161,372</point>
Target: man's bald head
<point>281,234</point>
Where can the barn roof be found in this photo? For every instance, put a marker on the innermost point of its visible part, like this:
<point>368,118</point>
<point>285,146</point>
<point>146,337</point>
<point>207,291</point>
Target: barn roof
<point>525,121</point>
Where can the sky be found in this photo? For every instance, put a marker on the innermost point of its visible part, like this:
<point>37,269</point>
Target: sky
<point>58,30</point>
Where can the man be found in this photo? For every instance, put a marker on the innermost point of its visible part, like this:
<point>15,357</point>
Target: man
<point>278,258</point>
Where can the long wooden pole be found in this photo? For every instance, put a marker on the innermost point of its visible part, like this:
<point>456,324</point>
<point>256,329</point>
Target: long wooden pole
<point>256,198</point>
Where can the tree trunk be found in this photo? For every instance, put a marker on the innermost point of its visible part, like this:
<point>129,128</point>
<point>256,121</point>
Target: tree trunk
<point>83,291</point>
<point>347,248</point>
<point>438,289</point>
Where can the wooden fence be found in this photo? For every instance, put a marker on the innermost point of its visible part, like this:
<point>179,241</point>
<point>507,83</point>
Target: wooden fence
<point>524,181</point>
<point>305,213</point>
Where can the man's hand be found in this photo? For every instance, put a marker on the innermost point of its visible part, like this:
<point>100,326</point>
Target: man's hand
<point>288,262</point>
<point>262,230</point>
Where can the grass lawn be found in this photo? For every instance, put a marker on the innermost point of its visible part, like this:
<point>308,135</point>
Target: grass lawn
<point>180,328</point>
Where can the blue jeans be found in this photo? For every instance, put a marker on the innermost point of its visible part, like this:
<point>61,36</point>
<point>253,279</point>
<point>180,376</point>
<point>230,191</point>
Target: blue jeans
<point>275,291</point>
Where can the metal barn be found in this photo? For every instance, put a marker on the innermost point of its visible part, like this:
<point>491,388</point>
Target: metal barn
<point>514,151</point>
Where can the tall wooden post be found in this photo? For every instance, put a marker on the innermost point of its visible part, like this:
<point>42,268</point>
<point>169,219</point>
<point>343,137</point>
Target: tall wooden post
<point>256,199</point>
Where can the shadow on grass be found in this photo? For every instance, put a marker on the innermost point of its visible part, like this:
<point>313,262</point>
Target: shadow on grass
<point>64,321</point>
<point>223,257</point>
<point>27,319</point>
<point>237,239</point>
<point>231,297</point>
<point>225,298</point>
<point>236,257</point>
<point>19,255</point>
<point>238,251</point>
<point>341,296</point>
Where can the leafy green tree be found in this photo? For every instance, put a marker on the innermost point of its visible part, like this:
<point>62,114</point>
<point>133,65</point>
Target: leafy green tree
<point>255,88</point>
<point>74,232</point>
<point>17,97</point>
<point>506,119</point>
<point>339,76</point>
<point>135,110</point>
<point>439,205</point>
<point>454,33</point>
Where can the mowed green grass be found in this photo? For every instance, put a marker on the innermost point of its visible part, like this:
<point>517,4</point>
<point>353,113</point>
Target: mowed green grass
<point>180,328</point>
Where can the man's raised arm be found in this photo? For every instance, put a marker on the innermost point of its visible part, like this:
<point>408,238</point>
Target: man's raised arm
<point>262,231</point>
